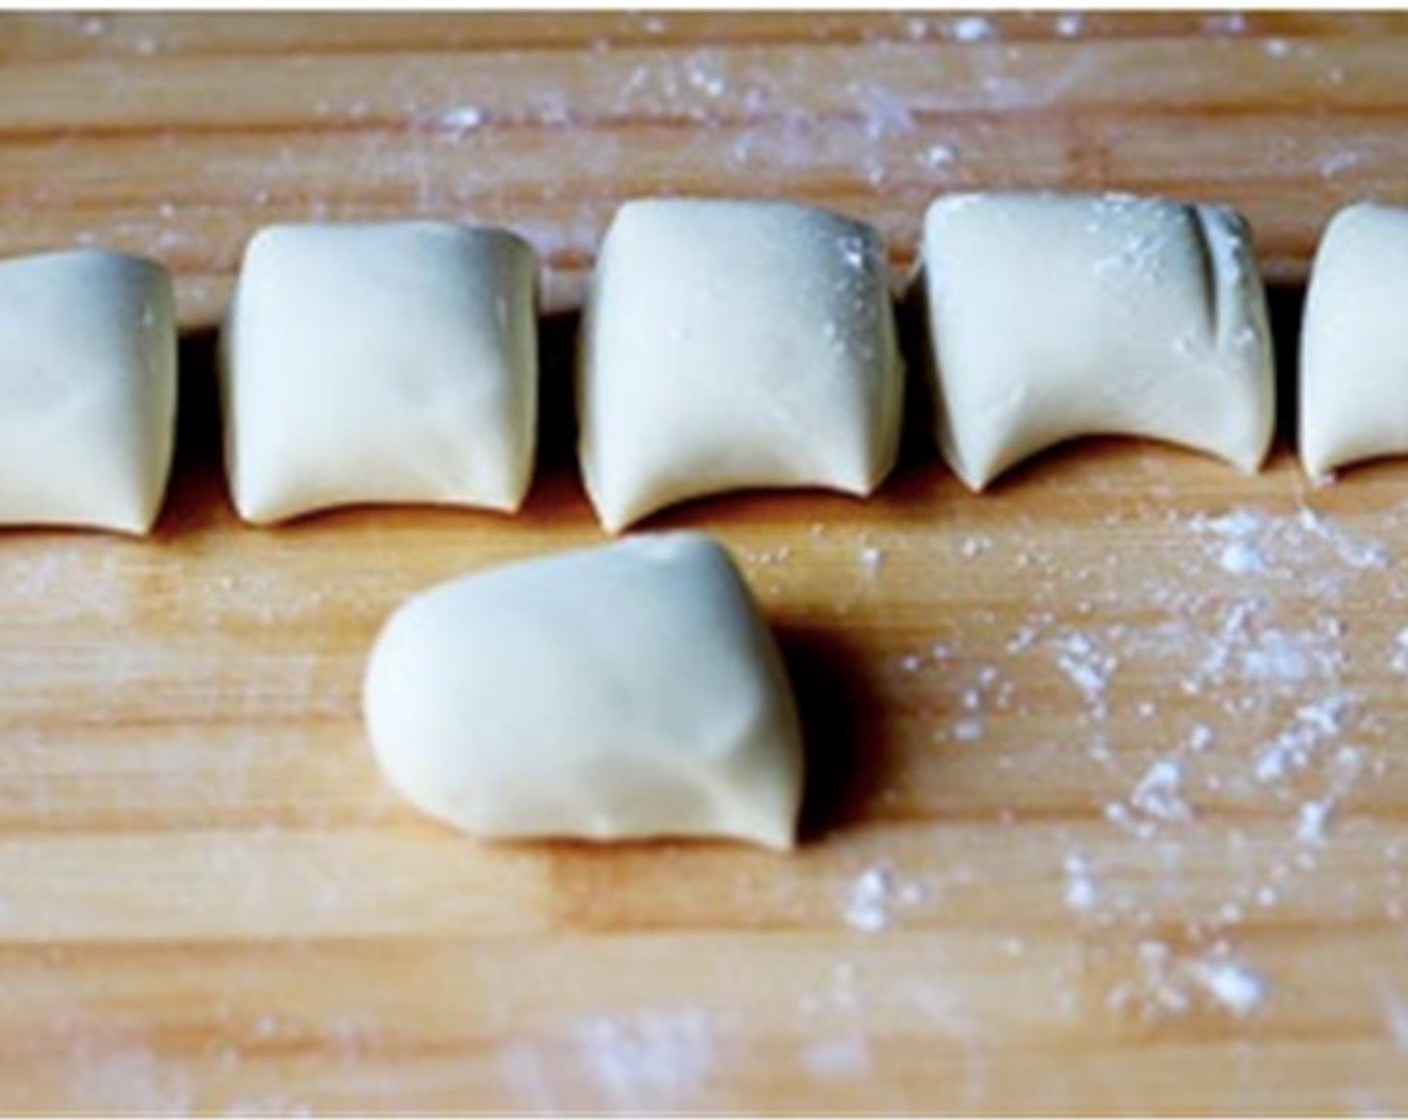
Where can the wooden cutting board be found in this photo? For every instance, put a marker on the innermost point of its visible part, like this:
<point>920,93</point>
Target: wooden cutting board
<point>1109,784</point>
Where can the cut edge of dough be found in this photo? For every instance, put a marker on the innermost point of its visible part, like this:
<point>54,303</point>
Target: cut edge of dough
<point>617,517</point>
<point>1321,459</point>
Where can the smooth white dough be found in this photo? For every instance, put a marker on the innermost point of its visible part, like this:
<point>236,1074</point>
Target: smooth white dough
<point>380,362</point>
<point>1053,316</point>
<point>87,390</point>
<point>733,344</point>
<point>1354,341</point>
<point>630,690</point>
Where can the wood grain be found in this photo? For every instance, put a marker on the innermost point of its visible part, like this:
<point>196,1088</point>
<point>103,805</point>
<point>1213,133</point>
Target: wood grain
<point>208,901</point>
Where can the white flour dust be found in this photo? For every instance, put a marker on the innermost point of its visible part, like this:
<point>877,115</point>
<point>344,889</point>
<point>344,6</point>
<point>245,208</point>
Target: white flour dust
<point>648,1059</point>
<point>1241,626</point>
<point>876,897</point>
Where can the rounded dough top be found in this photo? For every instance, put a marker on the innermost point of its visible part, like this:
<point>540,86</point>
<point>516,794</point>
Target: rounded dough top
<point>628,690</point>
<point>731,344</point>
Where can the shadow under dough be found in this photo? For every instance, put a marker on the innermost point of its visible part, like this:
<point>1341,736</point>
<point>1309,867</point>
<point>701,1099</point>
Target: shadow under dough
<point>847,757</point>
<point>196,495</point>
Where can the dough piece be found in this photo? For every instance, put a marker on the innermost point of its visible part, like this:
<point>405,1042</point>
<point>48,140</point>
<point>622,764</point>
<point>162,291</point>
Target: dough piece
<point>1054,316</point>
<point>1354,341</point>
<point>630,690</point>
<point>87,390</point>
<point>392,362</point>
<point>730,345</point>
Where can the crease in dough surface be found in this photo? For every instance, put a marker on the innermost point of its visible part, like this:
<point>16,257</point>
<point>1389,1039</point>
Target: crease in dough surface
<point>1054,316</point>
<point>87,390</point>
<point>631,690</point>
<point>1354,341</point>
<point>731,344</point>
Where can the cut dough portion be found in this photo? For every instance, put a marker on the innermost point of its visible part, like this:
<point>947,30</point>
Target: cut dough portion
<point>1054,316</point>
<point>391,362</point>
<point>626,691</point>
<point>1354,341</point>
<point>87,390</point>
<point>729,345</point>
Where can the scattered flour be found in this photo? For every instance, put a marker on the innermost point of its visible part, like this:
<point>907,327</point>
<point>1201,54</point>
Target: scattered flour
<point>1396,1020</point>
<point>1248,648</point>
<point>1338,162</point>
<point>974,546</point>
<point>1170,983</point>
<point>461,119</point>
<point>1159,792</point>
<point>838,1058</point>
<point>1294,749</point>
<point>1298,548</point>
<point>968,730</point>
<point>1235,986</point>
<point>1082,892</point>
<point>940,155</point>
<point>1310,826</point>
<point>876,896</point>
<point>647,1059</point>
<point>972,29</point>
<point>1226,23</point>
<point>885,113</point>
<point>1242,558</point>
<point>1254,652</point>
<point>1089,667</point>
<point>124,1073</point>
<point>1245,626</point>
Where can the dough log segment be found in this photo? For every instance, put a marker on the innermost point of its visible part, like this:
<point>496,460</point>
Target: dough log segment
<point>1054,316</point>
<point>730,345</point>
<point>380,362</point>
<point>1354,341</point>
<point>87,390</point>
<point>631,690</point>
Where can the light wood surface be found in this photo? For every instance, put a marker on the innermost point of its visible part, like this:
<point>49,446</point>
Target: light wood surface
<point>1071,742</point>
